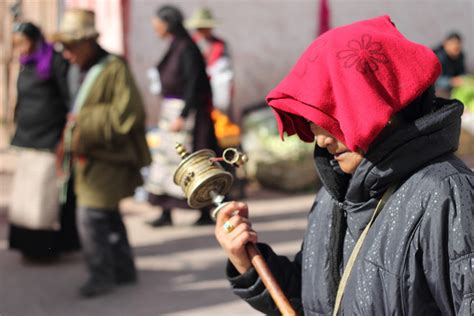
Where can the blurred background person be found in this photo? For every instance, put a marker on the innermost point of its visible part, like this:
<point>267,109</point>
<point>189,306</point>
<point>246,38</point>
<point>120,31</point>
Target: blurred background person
<point>219,69</point>
<point>185,115</point>
<point>106,135</point>
<point>217,57</point>
<point>40,115</point>
<point>451,57</point>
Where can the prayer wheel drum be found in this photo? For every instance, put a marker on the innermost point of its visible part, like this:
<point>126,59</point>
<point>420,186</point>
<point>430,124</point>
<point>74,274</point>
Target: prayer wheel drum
<point>200,177</point>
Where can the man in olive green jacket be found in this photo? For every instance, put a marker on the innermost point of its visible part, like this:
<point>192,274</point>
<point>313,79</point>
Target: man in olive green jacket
<point>106,135</point>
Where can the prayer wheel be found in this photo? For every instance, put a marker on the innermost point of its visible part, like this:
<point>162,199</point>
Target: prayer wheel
<point>205,182</point>
<point>201,177</point>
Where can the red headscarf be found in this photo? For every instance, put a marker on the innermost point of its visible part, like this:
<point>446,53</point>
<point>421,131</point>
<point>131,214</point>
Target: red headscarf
<point>350,80</point>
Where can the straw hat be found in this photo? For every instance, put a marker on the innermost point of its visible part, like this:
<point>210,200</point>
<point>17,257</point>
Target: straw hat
<point>201,19</point>
<point>77,24</point>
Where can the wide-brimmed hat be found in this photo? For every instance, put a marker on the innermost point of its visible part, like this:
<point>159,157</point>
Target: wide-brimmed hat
<point>76,25</point>
<point>201,19</point>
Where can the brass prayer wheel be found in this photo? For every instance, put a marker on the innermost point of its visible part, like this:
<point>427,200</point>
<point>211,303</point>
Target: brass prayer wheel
<point>205,182</point>
<point>201,177</point>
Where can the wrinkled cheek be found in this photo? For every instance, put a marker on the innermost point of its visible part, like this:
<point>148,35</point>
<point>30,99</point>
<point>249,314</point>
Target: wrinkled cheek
<point>350,163</point>
<point>345,167</point>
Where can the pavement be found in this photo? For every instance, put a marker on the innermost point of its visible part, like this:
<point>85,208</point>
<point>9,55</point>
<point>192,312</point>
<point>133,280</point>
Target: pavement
<point>181,268</point>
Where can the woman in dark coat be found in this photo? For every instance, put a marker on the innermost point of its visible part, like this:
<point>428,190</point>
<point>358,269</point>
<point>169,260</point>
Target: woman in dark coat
<point>364,94</point>
<point>40,115</point>
<point>185,113</point>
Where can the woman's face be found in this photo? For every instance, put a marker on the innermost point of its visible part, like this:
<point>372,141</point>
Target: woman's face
<point>348,160</point>
<point>160,27</point>
<point>23,45</point>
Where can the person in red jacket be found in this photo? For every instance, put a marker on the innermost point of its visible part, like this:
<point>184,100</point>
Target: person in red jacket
<point>216,55</point>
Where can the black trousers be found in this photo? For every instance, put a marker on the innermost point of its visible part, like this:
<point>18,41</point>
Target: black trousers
<point>105,244</point>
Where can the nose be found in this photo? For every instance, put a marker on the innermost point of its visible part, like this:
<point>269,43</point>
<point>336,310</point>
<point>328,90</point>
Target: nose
<point>322,137</point>
<point>324,141</point>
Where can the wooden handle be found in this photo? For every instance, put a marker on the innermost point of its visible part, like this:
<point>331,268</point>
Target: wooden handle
<point>269,280</point>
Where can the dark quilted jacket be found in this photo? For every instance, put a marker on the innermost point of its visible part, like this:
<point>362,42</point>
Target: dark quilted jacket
<point>418,256</point>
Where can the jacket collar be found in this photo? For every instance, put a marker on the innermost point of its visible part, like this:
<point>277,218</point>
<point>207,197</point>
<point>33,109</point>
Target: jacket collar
<point>392,160</point>
<point>399,155</point>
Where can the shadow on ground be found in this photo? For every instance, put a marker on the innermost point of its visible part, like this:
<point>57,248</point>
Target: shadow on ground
<point>180,276</point>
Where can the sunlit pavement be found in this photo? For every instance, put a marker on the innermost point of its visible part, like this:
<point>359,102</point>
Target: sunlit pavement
<point>181,268</point>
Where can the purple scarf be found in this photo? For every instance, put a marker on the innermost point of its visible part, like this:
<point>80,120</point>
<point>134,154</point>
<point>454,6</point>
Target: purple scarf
<point>42,57</point>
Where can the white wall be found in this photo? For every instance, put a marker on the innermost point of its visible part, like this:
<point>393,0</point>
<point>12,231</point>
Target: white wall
<point>266,37</point>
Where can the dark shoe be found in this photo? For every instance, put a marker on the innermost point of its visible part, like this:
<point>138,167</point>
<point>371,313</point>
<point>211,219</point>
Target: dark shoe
<point>93,289</point>
<point>161,221</point>
<point>204,220</point>
<point>126,280</point>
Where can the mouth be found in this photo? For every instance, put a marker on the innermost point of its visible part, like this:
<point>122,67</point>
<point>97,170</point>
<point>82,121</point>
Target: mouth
<point>338,155</point>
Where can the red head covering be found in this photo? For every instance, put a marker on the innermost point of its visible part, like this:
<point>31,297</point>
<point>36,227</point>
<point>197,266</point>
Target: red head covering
<point>350,80</point>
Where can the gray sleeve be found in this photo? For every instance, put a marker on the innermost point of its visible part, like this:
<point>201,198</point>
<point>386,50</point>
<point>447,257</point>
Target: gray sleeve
<point>461,244</point>
<point>250,287</point>
<point>462,271</point>
<point>448,244</point>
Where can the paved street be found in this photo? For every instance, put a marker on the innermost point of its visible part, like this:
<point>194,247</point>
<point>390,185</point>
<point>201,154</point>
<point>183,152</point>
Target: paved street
<point>181,268</point>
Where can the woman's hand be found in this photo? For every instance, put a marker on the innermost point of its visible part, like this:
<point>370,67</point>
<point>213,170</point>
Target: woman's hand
<point>233,241</point>
<point>177,125</point>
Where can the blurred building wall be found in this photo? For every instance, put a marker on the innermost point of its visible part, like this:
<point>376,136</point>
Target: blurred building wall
<point>267,36</point>
<point>109,21</point>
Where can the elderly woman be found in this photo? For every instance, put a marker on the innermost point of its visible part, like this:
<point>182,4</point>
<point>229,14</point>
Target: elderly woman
<point>40,115</point>
<point>391,231</point>
<point>185,112</point>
